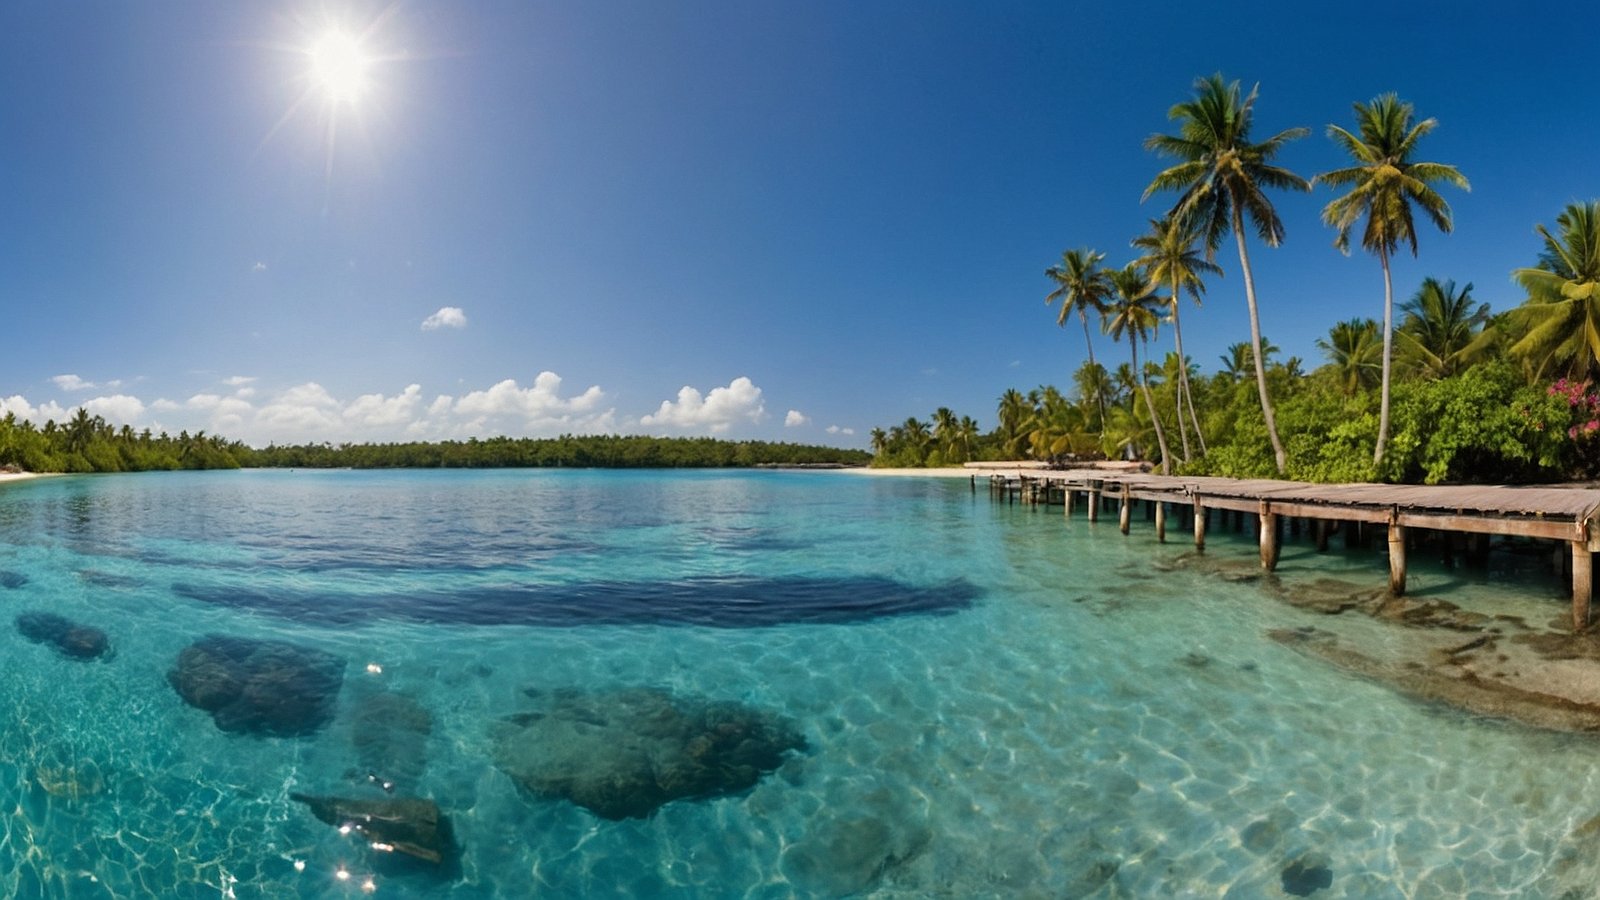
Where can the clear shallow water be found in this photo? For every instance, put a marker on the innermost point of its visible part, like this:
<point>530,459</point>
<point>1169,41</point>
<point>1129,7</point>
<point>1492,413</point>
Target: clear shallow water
<point>995,702</point>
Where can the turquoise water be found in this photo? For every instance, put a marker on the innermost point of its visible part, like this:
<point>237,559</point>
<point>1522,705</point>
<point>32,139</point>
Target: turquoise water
<point>994,701</point>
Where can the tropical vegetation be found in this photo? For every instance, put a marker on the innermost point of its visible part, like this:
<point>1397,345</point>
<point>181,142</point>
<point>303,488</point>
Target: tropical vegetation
<point>1447,391</point>
<point>87,443</point>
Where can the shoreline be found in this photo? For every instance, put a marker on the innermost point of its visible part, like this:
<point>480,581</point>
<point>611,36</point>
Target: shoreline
<point>8,477</point>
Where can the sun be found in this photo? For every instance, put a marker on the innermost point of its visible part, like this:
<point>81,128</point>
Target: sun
<point>340,67</point>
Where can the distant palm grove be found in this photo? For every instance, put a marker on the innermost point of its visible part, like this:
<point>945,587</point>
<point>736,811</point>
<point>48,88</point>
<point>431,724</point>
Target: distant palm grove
<point>1448,393</point>
<point>87,443</point>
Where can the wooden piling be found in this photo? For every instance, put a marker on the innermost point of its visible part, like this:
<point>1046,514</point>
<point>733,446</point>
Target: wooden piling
<point>1201,514</point>
<point>1066,502</point>
<point>1269,537</point>
<point>1322,535</point>
<point>1397,557</point>
<point>1094,501</point>
<point>1127,509</point>
<point>1582,583</point>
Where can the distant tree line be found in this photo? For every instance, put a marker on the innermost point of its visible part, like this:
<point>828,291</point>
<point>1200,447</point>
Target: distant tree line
<point>87,443</point>
<point>572,451</point>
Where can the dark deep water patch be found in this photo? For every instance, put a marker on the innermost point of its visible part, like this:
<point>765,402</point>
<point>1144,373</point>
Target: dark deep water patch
<point>722,602</point>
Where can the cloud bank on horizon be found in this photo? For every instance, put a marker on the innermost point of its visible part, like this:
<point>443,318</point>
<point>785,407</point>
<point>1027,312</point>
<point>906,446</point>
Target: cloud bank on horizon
<point>310,413</point>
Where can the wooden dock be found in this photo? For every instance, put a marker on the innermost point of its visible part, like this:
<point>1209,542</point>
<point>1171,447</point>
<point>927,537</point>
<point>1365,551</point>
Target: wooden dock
<point>1567,515</point>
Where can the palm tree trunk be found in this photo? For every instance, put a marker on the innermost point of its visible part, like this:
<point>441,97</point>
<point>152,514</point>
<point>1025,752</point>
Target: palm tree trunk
<point>1183,377</point>
<point>1099,395</point>
<point>1150,404</point>
<point>1388,350</point>
<point>1178,396</point>
<point>1278,453</point>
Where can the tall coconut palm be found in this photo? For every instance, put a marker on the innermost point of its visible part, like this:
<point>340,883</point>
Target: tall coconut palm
<point>1385,183</point>
<point>1444,330</point>
<point>1132,313</point>
<point>1171,260</point>
<point>966,437</point>
<point>1353,349</point>
<point>1221,177</point>
<point>1562,312</point>
<point>880,441</point>
<point>1081,286</point>
<point>1013,413</point>
<point>944,429</point>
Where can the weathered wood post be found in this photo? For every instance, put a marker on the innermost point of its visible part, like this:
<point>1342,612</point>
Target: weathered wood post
<point>1161,522</point>
<point>1582,577</point>
<point>1127,508</point>
<point>1322,535</point>
<point>1269,537</point>
<point>1094,501</point>
<point>1397,555</point>
<point>1066,500</point>
<point>974,484</point>
<point>1200,516</point>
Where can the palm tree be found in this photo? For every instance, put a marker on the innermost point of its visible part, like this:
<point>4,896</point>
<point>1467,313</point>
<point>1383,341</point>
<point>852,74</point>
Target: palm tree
<point>1132,314</point>
<point>1056,427</point>
<point>1013,411</point>
<point>1171,259</point>
<point>880,441</point>
<point>1221,175</point>
<point>915,434</point>
<point>1081,286</point>
<point>1353,350</point>
<point>944,429</point>
<point>1444,330</point>
<point>1092,381</point>
<point>966,436</point>
<point>1384,186</point>
<point>1562,312</point>
<point>1239,359</point>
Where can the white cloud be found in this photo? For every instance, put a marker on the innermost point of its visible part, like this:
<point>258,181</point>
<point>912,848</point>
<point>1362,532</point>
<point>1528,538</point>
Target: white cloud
<point>718,410</point>
<point>303,412</point>
<point>18,405</point>
<point>259,267</point>
<point>162,404</point>
<point>446,317</point>
<point>238,380</point>
<point>377,410</point>
<point>795,418</point>
<point>118,409</point>
<point>538,408</point>
<point>834,429</point>
<point>72,383</point>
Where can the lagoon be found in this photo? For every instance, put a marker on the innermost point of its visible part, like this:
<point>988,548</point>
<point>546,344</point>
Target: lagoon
<point>965,699</point>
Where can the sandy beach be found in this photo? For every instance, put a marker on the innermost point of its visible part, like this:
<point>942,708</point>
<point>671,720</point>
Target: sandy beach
<point>20,476</point>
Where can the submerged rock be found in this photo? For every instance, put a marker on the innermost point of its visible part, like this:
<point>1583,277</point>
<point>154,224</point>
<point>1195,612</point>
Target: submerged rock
<point>12,580</point>
<point>68,637</point>
<point>622,754</point>
<point>1449,685</point>
<point>389,732</point>
<point>259,687</point>
<point>1307,874</point>
<point>409,825</point>
<point>844,854</point>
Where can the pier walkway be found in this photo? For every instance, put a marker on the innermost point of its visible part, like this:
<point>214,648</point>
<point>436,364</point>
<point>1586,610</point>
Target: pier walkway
<point>1569,515</point>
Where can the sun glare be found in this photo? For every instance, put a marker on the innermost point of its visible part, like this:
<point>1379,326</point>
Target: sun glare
<point>339,67</point>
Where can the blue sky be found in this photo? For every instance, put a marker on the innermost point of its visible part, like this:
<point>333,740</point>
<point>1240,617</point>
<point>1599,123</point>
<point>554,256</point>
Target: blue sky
<point>790,221</point>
